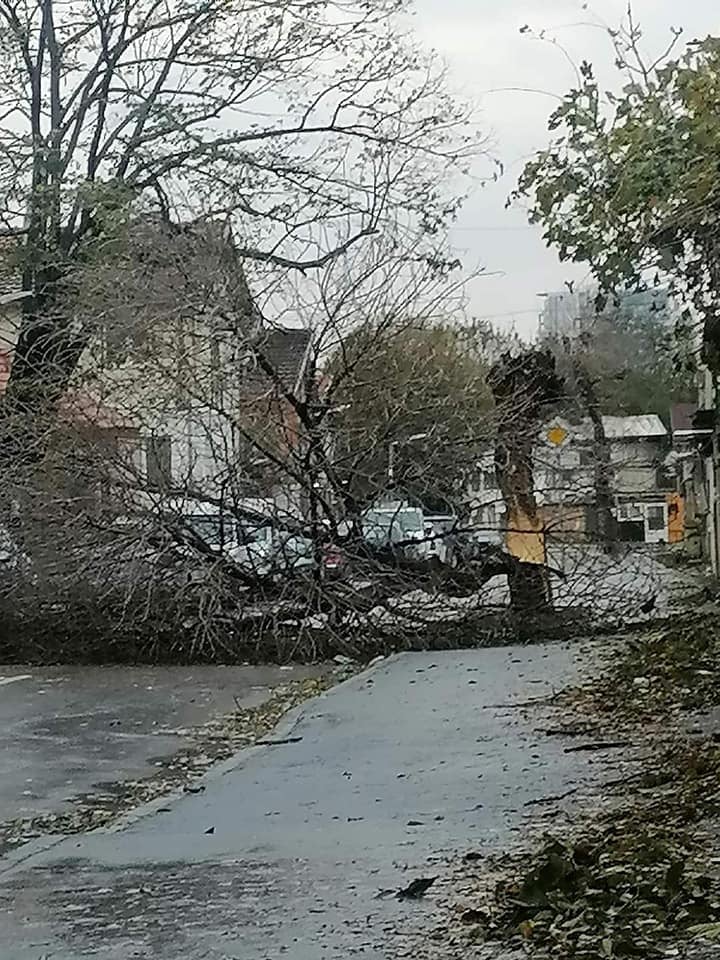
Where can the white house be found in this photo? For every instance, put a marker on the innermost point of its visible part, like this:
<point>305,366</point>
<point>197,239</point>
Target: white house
<point>565,459</point>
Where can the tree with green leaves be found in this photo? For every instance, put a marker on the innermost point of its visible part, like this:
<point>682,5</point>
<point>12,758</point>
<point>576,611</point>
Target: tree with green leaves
<point>627,350</point>
<point>414,410</point>
<point>630,183</point>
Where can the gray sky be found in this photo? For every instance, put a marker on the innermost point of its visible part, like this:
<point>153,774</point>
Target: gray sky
<point>480,41</point>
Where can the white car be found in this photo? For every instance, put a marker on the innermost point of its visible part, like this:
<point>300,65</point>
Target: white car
<point>12,558</point>
<point>383,526</point>
<point>258,546</point>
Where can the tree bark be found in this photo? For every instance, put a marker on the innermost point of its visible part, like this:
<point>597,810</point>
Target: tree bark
<point>606,525</point>
<point>523,386</point>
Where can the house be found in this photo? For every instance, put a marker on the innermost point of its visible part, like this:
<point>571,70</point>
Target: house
<point>182,388</point>
<point>565,467</point>
<point>11,297</point>
<point>691,443</point>
<point>705,472</point>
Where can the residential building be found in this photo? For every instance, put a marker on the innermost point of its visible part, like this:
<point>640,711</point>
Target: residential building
<point>11,296</point>
<point>565,465</point>
<point>183,389</point>
<point>685,462</point>
<point>566,313</point>
<point>707,464</point>
<point>569,313</point>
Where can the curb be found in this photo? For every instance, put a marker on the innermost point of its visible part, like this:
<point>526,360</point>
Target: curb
<point>45,845</point>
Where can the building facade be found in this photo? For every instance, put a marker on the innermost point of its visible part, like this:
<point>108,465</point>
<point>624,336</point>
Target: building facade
<point>565,470</point>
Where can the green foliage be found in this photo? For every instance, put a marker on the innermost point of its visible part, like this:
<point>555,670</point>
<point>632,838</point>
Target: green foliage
<point>393,382</point>
<point>632,358</point>
<point>630,181</point>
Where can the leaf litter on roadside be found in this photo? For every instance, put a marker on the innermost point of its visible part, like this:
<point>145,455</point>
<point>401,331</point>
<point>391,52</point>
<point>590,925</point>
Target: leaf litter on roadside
<point>208,744</point>
<point>643,875</point>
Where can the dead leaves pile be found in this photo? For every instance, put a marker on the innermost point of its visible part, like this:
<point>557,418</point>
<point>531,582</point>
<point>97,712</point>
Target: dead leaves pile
<point>640,878</point>
<point>208,744</point>
<point>668,670</point>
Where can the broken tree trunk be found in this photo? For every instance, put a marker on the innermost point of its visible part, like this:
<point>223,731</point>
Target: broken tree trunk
<point>523,386</point>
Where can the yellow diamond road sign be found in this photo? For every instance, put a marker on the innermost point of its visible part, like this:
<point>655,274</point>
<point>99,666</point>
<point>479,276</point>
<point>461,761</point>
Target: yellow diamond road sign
<point>557,435</point>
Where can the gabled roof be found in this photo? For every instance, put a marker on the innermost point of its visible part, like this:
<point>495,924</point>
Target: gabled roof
<point>286,349</point>
<point>682,417</point>
<point>647,426</point>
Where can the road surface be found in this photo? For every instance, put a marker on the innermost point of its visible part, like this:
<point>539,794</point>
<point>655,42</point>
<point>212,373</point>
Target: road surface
<point>284,852</point>
<point>66,731</point>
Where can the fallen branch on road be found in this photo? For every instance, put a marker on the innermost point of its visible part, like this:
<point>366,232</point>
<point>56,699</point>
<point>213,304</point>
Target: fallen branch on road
<point>598,745</point>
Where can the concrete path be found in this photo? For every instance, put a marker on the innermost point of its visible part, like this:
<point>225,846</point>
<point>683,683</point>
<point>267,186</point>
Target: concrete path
<point>285,851</point>
<point>65,731</point>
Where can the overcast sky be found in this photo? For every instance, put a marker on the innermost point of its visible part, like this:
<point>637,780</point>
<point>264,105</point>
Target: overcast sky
<point>485,52</point>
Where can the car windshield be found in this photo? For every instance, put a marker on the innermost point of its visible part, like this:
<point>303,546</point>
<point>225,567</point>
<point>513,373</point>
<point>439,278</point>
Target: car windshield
<point>220,531</point>
<point>249,533</point>
<point>411,521</point>
<point>381,523</point>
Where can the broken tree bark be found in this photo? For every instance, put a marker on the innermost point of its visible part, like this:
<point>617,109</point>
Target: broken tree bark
<point>523,386</point>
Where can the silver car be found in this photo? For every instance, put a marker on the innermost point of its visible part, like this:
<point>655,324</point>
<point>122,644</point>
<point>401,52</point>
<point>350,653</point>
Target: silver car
<point>258,547</point>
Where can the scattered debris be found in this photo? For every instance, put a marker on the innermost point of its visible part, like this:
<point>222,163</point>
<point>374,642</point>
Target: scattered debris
<point>472,856</point>
<point>277,743</point>
<point>639,876</point>
<point>553,799</point>
<point>598,745</point>
<point>474,916</point>
<point>417,889</point>
<point>648,605</point>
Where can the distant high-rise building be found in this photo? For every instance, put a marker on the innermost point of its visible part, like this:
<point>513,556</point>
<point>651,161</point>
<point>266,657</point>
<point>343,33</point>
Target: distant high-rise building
<point>569,313</point>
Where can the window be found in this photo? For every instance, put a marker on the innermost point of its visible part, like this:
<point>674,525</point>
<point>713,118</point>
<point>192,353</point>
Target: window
<point>130,456</point>
<point>630,512</point>
<point>208,528</point>
<point>159,461</point>
<point>488,480</point>
<point>656,518</point>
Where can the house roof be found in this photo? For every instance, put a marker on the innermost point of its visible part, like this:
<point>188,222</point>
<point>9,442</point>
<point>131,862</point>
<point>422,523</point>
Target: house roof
<point>646,425</point>
<point>286,349</point>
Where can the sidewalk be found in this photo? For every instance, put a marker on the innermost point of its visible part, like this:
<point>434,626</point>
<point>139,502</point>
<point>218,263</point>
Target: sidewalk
<point>284,851</point>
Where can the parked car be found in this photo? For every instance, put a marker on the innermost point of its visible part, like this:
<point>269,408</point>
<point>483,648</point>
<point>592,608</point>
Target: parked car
<point>258,542</point>
<point>334,561</point>
<point>441,537</point>
<point>384,526</point>
<point>12,558</point>
<point>258,546</point>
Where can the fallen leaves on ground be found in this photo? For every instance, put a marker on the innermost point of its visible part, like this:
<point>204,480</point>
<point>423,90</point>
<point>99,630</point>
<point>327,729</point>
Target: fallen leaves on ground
<point>668,670</point>
<point>634,882</point>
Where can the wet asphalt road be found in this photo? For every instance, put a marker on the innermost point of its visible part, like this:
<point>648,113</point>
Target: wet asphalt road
<point>285,850</point>
<point>65,731</point>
